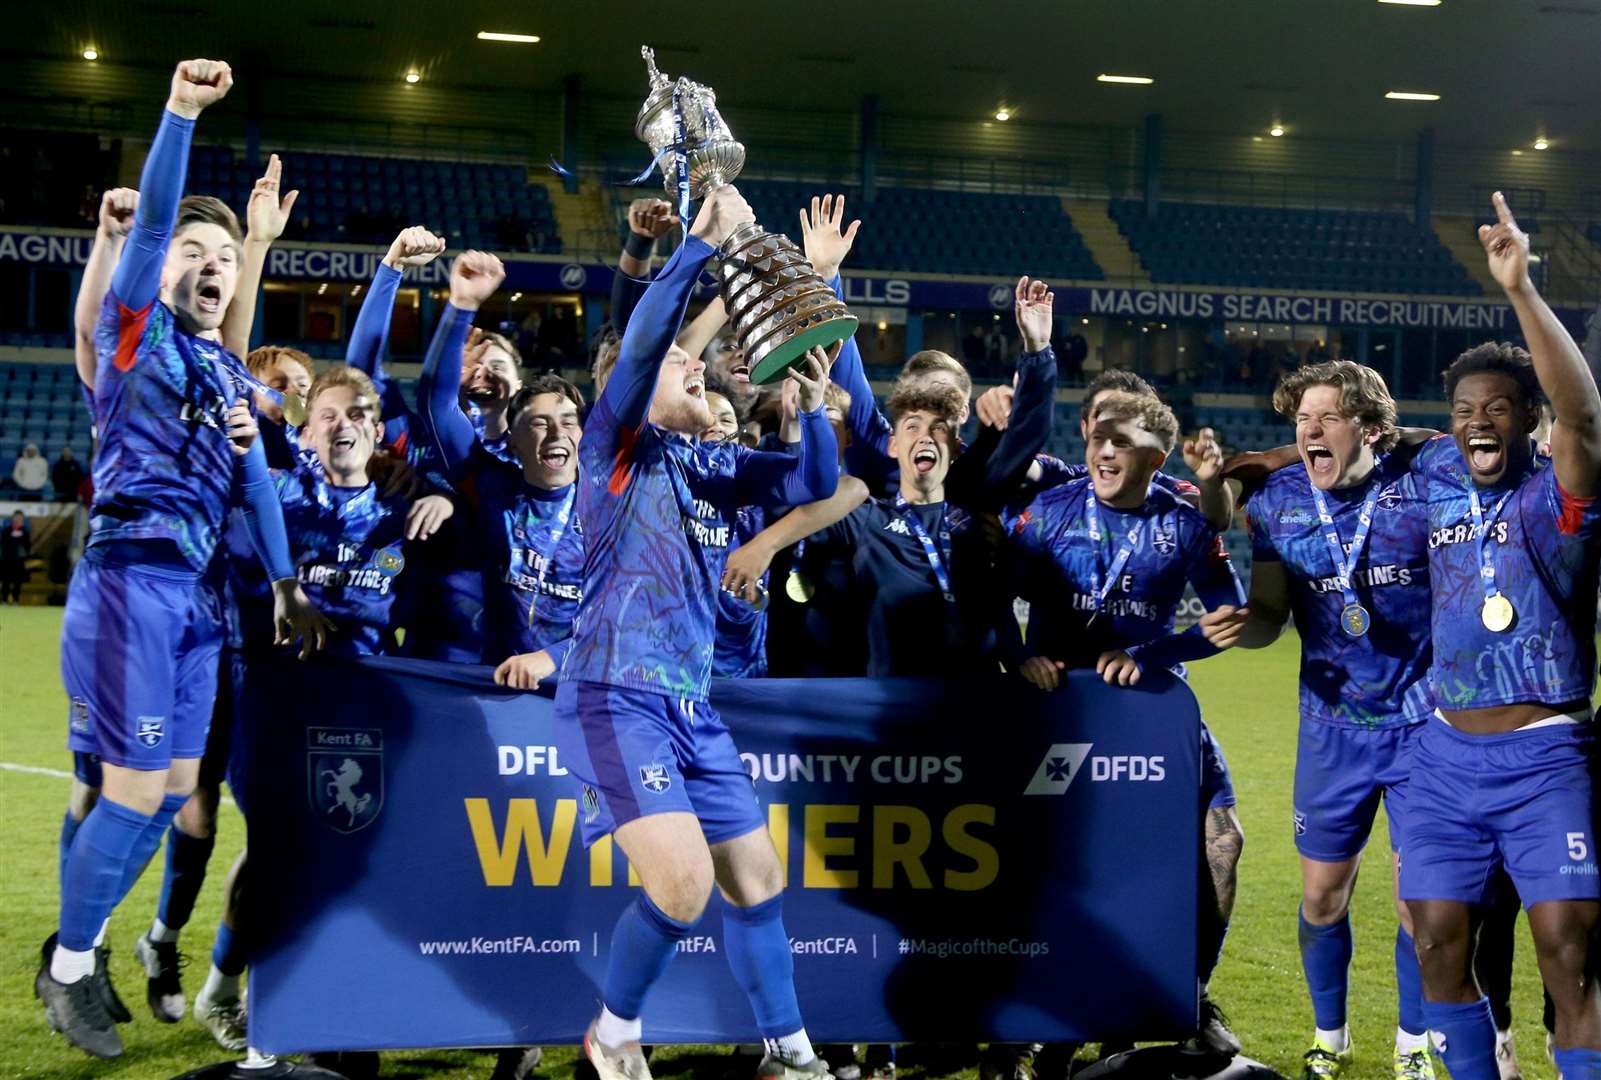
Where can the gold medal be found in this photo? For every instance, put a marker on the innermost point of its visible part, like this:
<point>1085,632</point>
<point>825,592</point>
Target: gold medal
<point>798,588</point>
<point>294,409</point>
<point>1497,613</point>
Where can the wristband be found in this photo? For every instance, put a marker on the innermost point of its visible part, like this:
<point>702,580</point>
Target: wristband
<point>639,247</point>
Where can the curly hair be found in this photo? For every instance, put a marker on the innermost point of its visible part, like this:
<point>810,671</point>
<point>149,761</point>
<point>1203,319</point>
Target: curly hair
<point>1501,356</point>
<point>1363,396</point>
<point>1145,410</point>
<point>936,399</point>
<point>1115,379</point>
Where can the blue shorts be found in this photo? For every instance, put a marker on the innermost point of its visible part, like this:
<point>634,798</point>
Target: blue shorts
<point>1340,775</point>
<point>139,661</point>
<point>1217,786</point>
<point>1521,799</point>
<point>635,753</point>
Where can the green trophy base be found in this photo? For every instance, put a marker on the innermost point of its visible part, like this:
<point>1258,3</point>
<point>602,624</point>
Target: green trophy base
<point>778,361</point>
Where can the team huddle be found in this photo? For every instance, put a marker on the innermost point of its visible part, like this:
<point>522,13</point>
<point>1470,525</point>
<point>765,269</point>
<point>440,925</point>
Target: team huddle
<point>687,524</point>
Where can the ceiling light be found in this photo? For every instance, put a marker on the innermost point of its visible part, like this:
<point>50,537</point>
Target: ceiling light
<point>1407,95</point>
<point>1412,3</point>
<point>91,53</point>
<point>1540,143</point>
<point>1133,80</point>
<point>516,296</point>
<point>1086,322</point>
<point>883,325</point>
<point>1256,138</point>
<point>1276,130</point>
<point>413,77</point>
<point>322,288</point>
<point>518,39</point>
<point>1003,114</point>
<point>1517,153</point>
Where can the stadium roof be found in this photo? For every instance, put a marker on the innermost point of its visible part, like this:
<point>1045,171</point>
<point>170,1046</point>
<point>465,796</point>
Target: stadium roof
<point>1506,70</point>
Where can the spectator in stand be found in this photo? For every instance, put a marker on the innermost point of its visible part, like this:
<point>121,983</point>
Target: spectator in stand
<point>16,544</point>
<point>66,476</point>
<point>31,471</point>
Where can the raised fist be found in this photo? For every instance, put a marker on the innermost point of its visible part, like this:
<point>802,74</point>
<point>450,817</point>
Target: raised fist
<point>474,277</point>
<point>415,246</point>
<point>724,210</point>
<point>197,84</point>
<point>117,208</point>
<point>651,217</point>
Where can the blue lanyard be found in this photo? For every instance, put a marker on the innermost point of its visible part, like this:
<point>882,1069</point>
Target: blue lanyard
<point>563,516</point>
<point>1345,565</point>
<point>938,557</point>
<point>1101,586</point>
<point>683,161</point>
<point>1481,529</point>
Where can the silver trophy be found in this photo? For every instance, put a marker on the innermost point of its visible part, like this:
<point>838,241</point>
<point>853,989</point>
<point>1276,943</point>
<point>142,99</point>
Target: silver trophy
<point>778,305</point>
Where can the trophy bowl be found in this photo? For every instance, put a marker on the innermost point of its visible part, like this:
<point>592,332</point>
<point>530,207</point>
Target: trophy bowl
<point>777,304</point>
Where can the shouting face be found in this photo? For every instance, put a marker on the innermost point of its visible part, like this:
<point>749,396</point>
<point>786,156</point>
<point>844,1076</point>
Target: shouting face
<point>679,402</point>
<point>1336,449</point>
<point>200,275</point>
<point>544,436</point>
<point>1491,421</point>
<point>342,425</point>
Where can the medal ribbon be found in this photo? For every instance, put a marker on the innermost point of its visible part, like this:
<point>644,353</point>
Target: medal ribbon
<point>563,516</point>
<point>1345,565</point>
<point>1101,584</point>
<point>1481,529</point>
<point>683,161</point>
<point>938,556</point>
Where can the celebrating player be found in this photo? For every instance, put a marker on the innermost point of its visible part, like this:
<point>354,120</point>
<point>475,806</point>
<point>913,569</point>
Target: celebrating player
<point>139,653</point>
<point>1503,775</point>
<point>1341,542</point>
<point>1106,595</point>
<point>655,764</point>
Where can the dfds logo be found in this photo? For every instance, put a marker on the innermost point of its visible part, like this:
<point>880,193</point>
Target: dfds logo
<point>1064,761</point>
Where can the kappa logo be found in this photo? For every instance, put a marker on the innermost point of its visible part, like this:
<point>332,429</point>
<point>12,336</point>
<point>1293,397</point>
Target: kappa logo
<point>1164,542</point>
<point>898,526</point>
<point>345,775</point>
<point>1300,823</point>
<point>654,778</point>
<point>151,730</point>
<point>1061,764</point>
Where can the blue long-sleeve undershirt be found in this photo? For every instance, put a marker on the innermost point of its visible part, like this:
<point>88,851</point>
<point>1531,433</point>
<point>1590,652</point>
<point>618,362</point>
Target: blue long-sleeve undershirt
<point>369,338</point>
<point>785,479</point>
<point>263,514</point>
<point>651,331</point>
<point>439,387</point>
<point>137,279</point>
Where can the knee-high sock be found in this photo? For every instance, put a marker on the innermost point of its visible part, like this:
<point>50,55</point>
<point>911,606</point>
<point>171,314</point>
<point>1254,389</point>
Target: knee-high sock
<point>760,958</point>
<point>1578,1064</point>
<point>1464,1035</point>
<point>642,945</point>
<point>1326,959</point>
<point>69,829</point>
<point>149,841</point>
<point>92,881</point>
<point>187,857</point>
<point>228,954</point>
<point>1212,930</point>
<point>1408,983</point>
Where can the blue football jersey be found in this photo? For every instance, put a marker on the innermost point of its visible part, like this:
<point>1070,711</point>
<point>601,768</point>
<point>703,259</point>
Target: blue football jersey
<point>1057,560</point>
<point>349,548</point>
<point>1545,545</point>
<point>1376,679</point>
<point>741,648</point>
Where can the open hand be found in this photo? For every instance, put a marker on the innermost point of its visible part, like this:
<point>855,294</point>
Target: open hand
<point>812,377</point>
<point>426,516</point>
<point>825,242</point>
<point>1032,307</point>
<point>295,616</point>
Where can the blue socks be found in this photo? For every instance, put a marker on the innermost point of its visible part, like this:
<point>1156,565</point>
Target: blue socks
<point>760,958</point>
<point>69,829</point>
<point>92,881</point>
<point>228,951</point>
<point>1464,1035</point>
<point>1578,1064</point>
<point>1326,959</point>
<point>145,848</point>
<point>642,946</point>
<point>1408,983</point>
<point>187,857</point>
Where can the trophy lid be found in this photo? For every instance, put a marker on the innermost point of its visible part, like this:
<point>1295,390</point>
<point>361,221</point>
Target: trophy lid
<point>660,96</point>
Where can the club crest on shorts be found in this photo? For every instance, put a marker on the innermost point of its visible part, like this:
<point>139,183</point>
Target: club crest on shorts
<point>591,805</point>
<point>151,730</point>
<point>78,719</point>
<point>345,776</point>
<point>1300,823</point>
<point>654,778</point>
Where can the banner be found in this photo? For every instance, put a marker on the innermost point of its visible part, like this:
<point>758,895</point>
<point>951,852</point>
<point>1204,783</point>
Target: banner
<point>290,261</point>
<point>964,861</point>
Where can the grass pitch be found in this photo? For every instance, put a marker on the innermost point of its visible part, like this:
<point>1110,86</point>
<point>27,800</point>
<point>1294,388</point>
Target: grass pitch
<point>1248,698</point>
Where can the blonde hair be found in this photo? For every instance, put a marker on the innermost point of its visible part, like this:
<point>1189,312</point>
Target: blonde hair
<point>836,396</point>
<point>343,375</point>
<point>605,361</point>
<point>929,361</point>
<point>1363,396</point>
<point>1147,412</point>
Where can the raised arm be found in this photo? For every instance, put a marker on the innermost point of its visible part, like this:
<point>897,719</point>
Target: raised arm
<point>473,279</point>
<point>813,473</point>
<point>648,221</point>
<point>1204,457</point>
<point>703,328</point>
<point>117,208</point>
<point>266,216</point>
<point>1558,363</point>
<point>195,85</point>
<point>294,615</point>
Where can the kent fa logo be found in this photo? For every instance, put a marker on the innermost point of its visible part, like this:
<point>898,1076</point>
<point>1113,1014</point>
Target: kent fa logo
<point>1163,542</point>
<point>152,729</point>
<point>1062,763</point>
<point>345,774</point>
<point>654,778</point>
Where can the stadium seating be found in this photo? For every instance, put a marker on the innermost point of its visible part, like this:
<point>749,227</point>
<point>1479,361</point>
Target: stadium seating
<point>355,199</point>
<point>41,404</point>
<point>942,232</point>
<point>1260,247</point>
